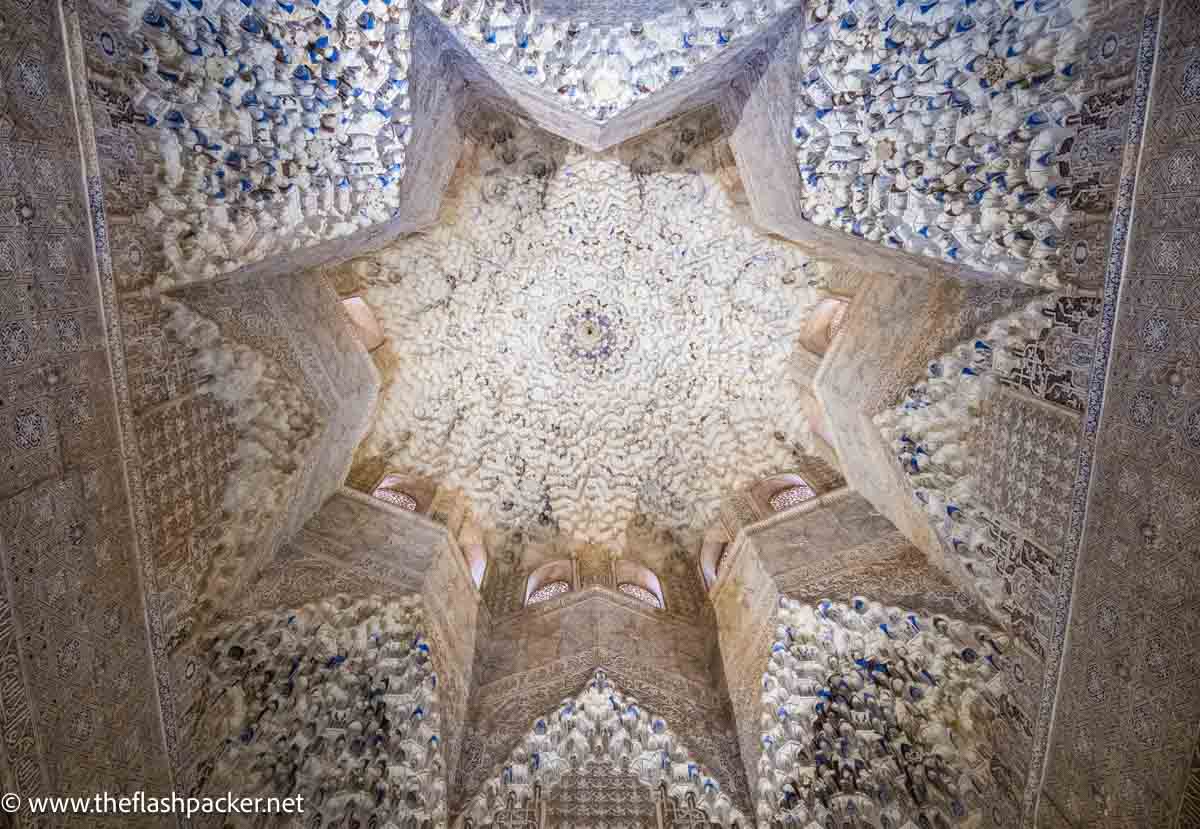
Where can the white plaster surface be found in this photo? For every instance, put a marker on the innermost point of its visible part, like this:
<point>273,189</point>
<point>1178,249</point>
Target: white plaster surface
<point>943,128</point>
<point>591,347</point>
<point>878,715</point>
<point>282,124</point>
<point>598,66</point>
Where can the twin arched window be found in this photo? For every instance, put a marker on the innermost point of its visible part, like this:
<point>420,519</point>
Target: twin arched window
<point>552,579</point>
<point>631,578</point>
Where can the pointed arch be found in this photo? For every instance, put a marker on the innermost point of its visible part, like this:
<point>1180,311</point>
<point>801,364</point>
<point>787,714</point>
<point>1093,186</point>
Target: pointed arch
<point>822,325</point>
<point>601,725</point>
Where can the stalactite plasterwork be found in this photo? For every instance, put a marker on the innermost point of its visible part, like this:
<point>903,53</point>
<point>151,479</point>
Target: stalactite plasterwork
<point>878,717</point>
<point>336,702</point>
<point>601,725</point>
<point>943,128</point>
<point>601,67</point>
<point>281,124</point>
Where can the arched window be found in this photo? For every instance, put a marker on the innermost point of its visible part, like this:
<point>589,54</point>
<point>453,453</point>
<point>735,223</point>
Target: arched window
<point>550,580</point>
<point>791,497</point>
<point>822,325</point>
<point>781,492</point>
<point>721,558</point>
<point>639,581</point>
<point>389,491</point>
<point>366,326</point>
<point>548,591</point>
<point>640,593</point>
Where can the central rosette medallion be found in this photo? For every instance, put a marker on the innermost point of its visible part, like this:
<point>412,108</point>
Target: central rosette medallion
<point>589,336</point>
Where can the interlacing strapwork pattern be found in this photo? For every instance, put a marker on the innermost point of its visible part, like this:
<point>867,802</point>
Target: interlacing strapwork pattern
<point>938,430</point>
<point>277,425</point>
<point>601,730</point>
<point>878,717</point>
<point>336,702</point>
<point>943,128</point>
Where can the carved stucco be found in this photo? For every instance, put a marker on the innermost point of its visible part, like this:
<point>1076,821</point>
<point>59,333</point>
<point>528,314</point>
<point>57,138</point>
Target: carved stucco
<point>838,546</point>
<point>604,722</point>
<point>1124,681</point>
<point>884,716</point>
<point>337,702</point>
<point>637,298</point>
<point>81,708</point>
<point>1124,709</point>
<point>527,663</point>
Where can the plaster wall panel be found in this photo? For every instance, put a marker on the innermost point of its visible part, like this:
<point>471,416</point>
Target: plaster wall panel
<point>452,605</point>
<point>745,599</point>
<point>80,709</point>
<point>543,633</point>
<point>353,540</point>
<point>1127,707</point>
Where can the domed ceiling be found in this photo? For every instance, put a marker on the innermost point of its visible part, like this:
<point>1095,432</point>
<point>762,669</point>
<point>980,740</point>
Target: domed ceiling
<point>580,342</point>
